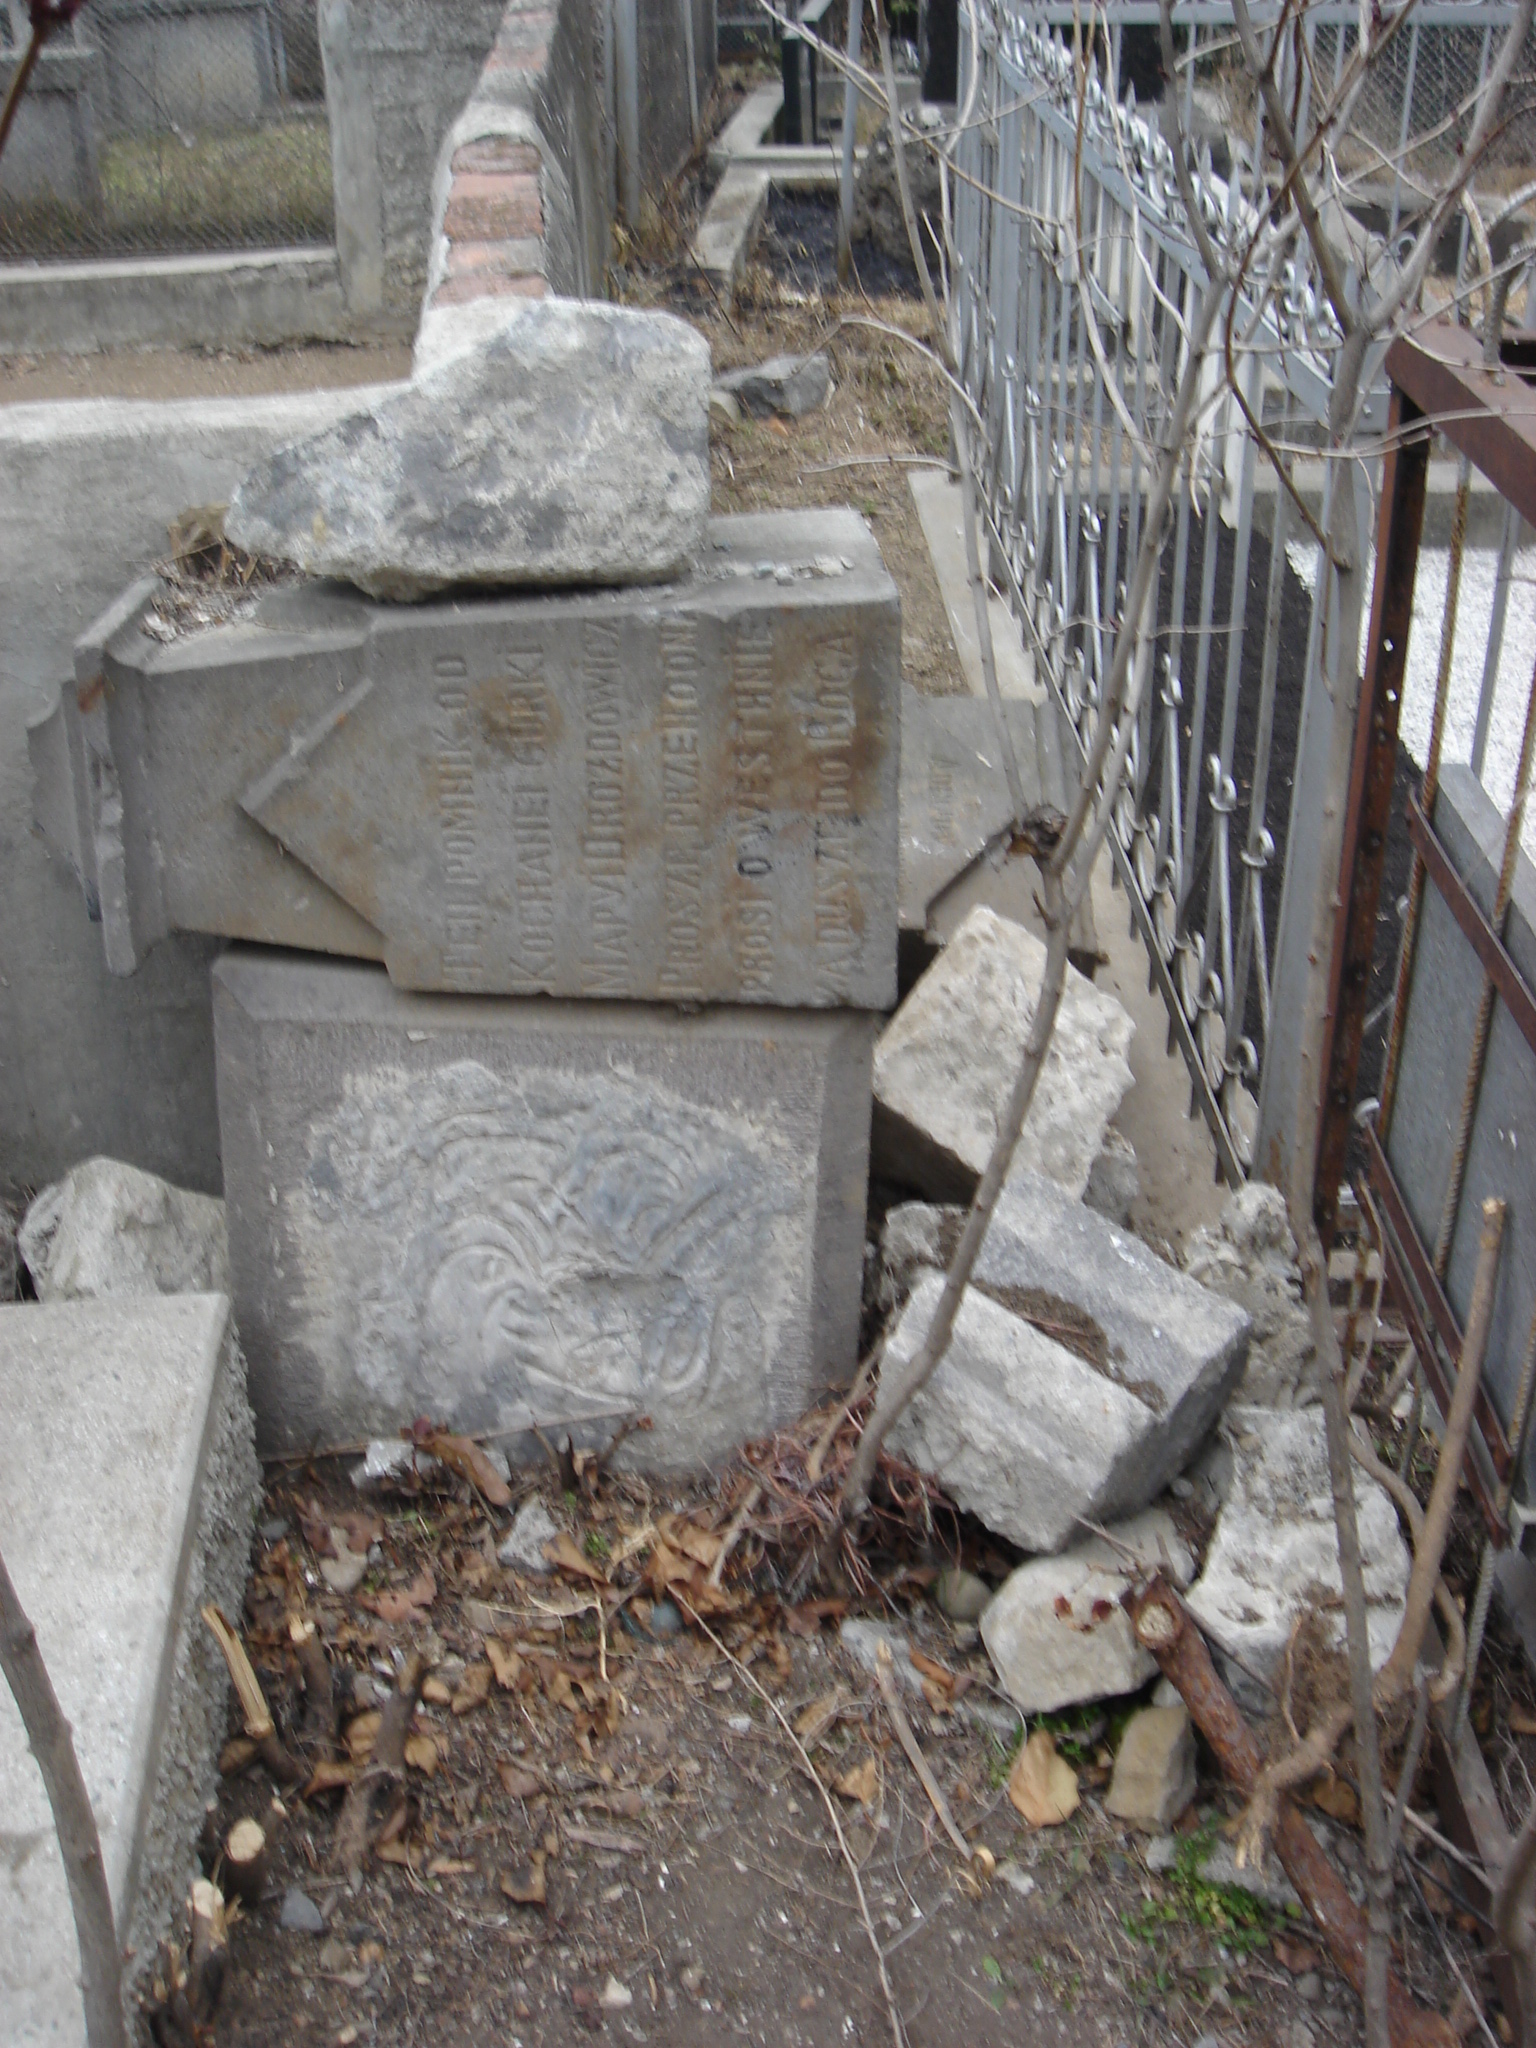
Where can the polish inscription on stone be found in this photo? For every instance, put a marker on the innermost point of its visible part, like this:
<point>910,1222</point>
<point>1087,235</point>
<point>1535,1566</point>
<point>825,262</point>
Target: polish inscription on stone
<point>684,794</point>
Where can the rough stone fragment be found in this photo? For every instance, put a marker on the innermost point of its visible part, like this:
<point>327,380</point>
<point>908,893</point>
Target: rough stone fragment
<point>1055,1629</point>
<point>862,1640</point>
<point>685,794</point>
<point>1251,1258</point>
<point>954,793</point>
<point>300,1914</point>
<point>523,1546</point>
<point>572,446</point>
<point>915,1236</point>
<point>1154,1775</point>
<point>1031,1435</point>
<point>109,1230</point>
<point>127,1493</point>
<point>502,1212</point>
<point>961,1595</point>
<point>1274,1551</point>
<point>788,385</point>
<point>946,1061</point>
<point>388,1459</point>
<point>1114,1181</point>
<point>1266,1880</point>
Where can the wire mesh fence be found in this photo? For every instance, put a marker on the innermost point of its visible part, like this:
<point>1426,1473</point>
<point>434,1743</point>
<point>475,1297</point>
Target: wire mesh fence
<point>167,125</point>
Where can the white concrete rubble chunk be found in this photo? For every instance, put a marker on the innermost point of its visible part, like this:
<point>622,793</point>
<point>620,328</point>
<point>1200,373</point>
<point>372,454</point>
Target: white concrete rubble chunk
<point>946,1061</point>
<point>1274,1551</point>
<point>569,446</point>
<point>127,1493</point>
<point>1031,1435</point>
<point>1250,1256</point>
<point>523,1546</point>
<point>109,1230</point>
<point>1055,1629</point>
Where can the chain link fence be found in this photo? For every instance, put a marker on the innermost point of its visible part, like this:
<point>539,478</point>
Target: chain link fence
<point>167,126</point>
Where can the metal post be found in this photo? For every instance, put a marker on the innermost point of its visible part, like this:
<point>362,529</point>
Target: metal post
<point>850,119</point>
<point>790,49</point>
<point>693,71</point>
<point>626,71</point>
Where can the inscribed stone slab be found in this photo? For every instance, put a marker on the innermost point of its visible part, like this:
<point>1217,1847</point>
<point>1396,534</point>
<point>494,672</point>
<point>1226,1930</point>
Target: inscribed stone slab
<point>683,794</point>
<point>500,1211</point>
<point>125,1498</point>
<point>954,793</point>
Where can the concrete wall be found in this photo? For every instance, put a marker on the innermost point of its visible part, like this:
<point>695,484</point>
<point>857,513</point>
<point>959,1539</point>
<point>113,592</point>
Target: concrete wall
<point>88,1062</point>
<point>51,151</point>
<point>397,73</point>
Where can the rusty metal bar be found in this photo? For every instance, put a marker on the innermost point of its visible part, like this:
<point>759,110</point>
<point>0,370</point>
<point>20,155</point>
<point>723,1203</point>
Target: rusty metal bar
<point>1490,415</point>
<point>1479,933</point>
<point>1400,525</point>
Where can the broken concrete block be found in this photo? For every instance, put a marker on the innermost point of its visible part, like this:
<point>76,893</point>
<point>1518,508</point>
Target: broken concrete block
<point>1274,1551</point>
<point>1055,1629</point>
<point>502,1213</point>
<point>571,446</point>
<point>1082,1374</point>
<point>1251,1258</point>
<point>681,795</point>
<point>127,1494</point>
<point>954,793</point>
<point>946,1062</point>
<point>915,1237</point>
<point>1154,1774</point>
<point>788,385</point>
<point>108,1230</point>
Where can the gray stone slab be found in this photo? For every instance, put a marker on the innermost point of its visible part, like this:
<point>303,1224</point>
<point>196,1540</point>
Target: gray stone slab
<point>570,446</point>
<point>498,1211</point>
<point>126,1499</point>
<point>954,795</point>
<point>1030,1435</point>
<point>106,1229</point>
<point>686,793</point>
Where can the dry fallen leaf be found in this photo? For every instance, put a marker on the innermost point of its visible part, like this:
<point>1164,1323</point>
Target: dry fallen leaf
<point>606,1839</point>
<point>449,1866</point>
<point>861,1783</point>
<point>1337,1800</point>
<point>1042,1785</point>
<point>461,1454</point>
<point>814,1721</point>
<point>1522,1721</point>
<point>436,1692</point>
<point>362,1733</point>
<point>403,1603</point>
<point>505,1662</point>
<point>421,1753</point>
<point>516,1782</point>
<point>408,1854</point>
<point>1295,1955</point>
<point>525,1885</point>
<point>563,1553</point>
<point>931,1668</point>
<point>474,1690</point>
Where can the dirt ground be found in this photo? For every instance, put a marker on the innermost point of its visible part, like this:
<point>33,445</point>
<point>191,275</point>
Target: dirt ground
<point>694,1888</point>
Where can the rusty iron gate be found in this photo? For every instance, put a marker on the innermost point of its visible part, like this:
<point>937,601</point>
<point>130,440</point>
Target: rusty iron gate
<point>1455,1124</point>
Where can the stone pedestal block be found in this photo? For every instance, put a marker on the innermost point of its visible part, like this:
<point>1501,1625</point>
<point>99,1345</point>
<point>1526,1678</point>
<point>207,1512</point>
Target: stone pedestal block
<point>127,1494</point>
<point>685,793</point>
<point>499,1212</point>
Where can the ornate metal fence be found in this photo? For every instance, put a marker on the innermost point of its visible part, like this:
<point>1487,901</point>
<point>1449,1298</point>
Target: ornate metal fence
<point>1072,367</point>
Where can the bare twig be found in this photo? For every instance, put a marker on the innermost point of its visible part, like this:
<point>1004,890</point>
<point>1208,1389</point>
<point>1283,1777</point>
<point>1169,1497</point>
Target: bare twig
<point>48,1737</point>
<point>259,1725</point>
<point>354,1830</point>
<point>885,1679</point>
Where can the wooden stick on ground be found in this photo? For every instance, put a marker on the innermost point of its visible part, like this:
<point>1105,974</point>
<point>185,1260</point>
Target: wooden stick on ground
<point>259,1725</point>
<point>897,2034</point>
<point>101,1979</point>
<point>885,1677</point>
<point>386,1772</point>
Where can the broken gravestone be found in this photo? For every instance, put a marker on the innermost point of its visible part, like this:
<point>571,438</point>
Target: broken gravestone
<point>1055,1629</point>
<point>126,1500</point>
<point>505,1213</point>
<point>109,1229</point>
<point>569,446</point>
<point>945,1063</point>
<point>1082,1374</point>
<point>1273,1553</point>
<point>1250,1257</point>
